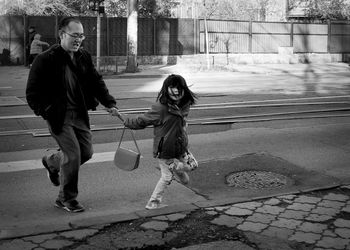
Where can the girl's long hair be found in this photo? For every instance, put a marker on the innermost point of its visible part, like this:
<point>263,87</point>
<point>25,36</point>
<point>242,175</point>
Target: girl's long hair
<point>176,81</point>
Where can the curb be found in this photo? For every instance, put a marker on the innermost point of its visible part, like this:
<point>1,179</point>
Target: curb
<point>106,220</point>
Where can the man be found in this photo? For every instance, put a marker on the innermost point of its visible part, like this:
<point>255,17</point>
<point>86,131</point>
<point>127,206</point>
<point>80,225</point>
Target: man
<point>62,86</point>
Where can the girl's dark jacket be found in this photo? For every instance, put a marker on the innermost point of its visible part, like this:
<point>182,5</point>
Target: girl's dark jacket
<point>47,90</point>
<point>170,136</point>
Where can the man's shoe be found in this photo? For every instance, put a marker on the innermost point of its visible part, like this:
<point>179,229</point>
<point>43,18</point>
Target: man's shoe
<point>72,206</point>
<point>51,174</point>
<point>155,205</point>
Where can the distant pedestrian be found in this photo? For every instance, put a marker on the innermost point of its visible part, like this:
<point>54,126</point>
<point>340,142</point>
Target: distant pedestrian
<point>36,47</point>
<point>62,86</point>
<point>170,146</point>
<point>30,38</point>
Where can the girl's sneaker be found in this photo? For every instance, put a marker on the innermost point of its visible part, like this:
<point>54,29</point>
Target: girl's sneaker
<point>155,205</point>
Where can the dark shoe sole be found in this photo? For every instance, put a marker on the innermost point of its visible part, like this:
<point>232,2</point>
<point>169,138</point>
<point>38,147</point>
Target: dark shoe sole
<point>52,176</point>
<point>60,205</point>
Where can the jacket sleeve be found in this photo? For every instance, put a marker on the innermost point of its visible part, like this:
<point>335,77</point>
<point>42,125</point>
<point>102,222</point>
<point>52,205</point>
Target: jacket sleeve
<point>152,117</point>
<point>35,86</point>
<point>99,87</point>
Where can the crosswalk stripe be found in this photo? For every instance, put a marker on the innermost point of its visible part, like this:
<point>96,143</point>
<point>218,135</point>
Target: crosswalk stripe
<point>15,166</point>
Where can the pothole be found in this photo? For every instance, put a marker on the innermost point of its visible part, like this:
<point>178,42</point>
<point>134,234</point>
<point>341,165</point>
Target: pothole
<point>252,179</point>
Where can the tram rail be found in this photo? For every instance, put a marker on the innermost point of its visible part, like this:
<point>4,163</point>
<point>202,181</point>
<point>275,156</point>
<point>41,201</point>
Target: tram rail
<point>259,117</point>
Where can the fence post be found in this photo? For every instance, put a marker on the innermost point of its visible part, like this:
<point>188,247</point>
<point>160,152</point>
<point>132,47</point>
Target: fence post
<point>154,36</point>
<point>292,35</point>
<point>250,36</point>
<point>329,36</point>
<point>56,28</point>
<point>25,29</point>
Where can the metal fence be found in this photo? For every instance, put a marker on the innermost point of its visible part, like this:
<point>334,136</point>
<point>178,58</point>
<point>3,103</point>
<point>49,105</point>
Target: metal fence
<point>182,36</point>
<point>267,37</point>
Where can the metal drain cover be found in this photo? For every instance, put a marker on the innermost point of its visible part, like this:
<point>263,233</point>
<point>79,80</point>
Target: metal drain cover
<point>256,179</point>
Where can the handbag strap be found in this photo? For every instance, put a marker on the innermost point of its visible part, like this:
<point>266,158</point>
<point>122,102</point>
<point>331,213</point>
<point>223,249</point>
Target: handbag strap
<point>133,137</point>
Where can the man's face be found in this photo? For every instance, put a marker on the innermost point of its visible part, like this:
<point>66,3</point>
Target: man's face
<point>72,36</point>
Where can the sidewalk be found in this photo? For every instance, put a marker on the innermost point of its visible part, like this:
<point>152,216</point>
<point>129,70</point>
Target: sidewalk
<point>313,220</point>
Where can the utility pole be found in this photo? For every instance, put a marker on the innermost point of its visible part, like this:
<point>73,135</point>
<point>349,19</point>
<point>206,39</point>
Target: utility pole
<point>131,66</point>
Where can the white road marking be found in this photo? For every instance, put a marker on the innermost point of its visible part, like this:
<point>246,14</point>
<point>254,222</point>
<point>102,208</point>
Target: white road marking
<point>15,166</point>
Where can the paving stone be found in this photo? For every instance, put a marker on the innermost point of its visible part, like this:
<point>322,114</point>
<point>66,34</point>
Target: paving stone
<point>329,233</point>
<point>342,223</point>
<point>222,245</point>
<point>140,239</point>
<point>312,227</point>
<point>286,223</point>
<point>318,217</point>
<point>175,217</point>
<point>272,202</point>
<point>101,241</point>
<point>252,226</point>
<point>307,199</point>
<point>301,206</point>
<point>40,238</point>
<point>293,214</point>
<point>238,211</point>
<point>310,238</point>
<point>331,242</point>
<point>325,211</point>
<point>346,209</point>
<point>263,218</point>
<point>248,205</point>
<point>267,209</point>
<point>287,197</point>
<point>155,225</point>
<point>225,220</point>
<point>211,212</point>
<point>56,244</point>
<point>222,208</point>
<point>343,232</point>
<point>268,243</point>
<point>277,232</point>
<point>336,197</point>
<point>331,204</point>
<point>162,217</point>
<point>79,234</point>
<point>17,244</point>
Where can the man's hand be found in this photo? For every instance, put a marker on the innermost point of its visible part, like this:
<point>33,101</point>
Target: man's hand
<point>114,112</point>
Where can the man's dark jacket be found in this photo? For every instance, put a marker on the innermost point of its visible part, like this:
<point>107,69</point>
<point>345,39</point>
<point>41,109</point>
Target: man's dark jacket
<point>47,88</point>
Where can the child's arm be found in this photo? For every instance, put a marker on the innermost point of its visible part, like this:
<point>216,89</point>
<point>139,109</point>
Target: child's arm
<point>151,117</point>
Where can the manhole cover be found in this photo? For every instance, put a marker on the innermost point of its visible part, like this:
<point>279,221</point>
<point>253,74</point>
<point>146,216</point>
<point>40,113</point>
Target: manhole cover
<point>256,179</point>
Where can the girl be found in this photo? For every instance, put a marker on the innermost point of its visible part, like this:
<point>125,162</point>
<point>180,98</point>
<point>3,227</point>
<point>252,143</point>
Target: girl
<point>170,143</point>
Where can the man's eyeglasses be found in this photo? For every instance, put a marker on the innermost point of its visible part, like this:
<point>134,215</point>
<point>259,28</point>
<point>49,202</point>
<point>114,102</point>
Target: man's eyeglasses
<point>75,36</point>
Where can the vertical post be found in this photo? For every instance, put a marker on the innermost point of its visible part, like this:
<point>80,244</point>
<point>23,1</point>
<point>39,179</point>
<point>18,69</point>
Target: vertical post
<point>25,38</point>
<point>206,35</point>
<point>329,36</point>
<point>292,35</point>
<point>107,37</point>
<point>98,42</point>
<point>154,36</point>
<point>250,36</point>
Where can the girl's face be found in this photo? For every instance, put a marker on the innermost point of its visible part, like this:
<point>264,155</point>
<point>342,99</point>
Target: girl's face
<point>175,94</point>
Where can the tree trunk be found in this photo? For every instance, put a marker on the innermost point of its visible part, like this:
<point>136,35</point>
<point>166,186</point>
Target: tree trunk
<point>131,66</point>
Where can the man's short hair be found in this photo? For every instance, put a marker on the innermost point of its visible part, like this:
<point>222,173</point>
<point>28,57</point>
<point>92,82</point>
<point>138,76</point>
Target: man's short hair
<point>64,22</point>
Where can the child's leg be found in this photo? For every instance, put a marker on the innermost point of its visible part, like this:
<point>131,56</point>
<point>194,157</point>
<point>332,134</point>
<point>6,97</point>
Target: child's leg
<point>164,181</point>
